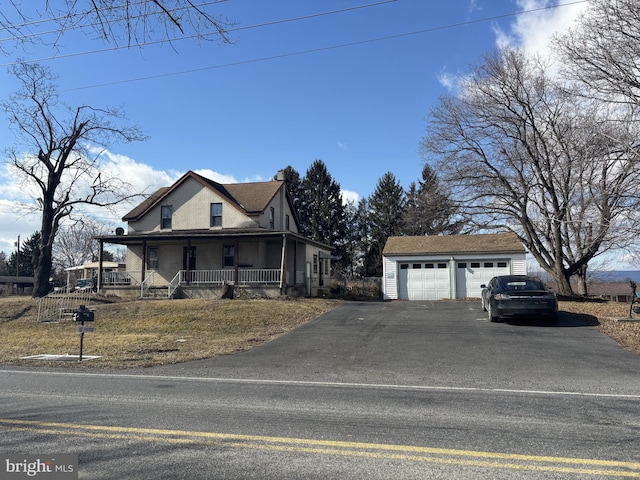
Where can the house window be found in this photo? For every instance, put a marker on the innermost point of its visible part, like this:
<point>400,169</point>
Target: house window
<point>216,214</point>
<point>462,265</point>
<point>315,264</point>
<point>428,265</point>
<point>404,266</point>
<point>228,255</point>
<point>502,264</point>
<point>488,264</point>
<point>417,265</point>
<point>326,266</point>
<point>272,218</point>
<point>153,258</point>
<point>286,222</point>
<point>475,264</point>
<point>442,265</point>
<point>166,212</point>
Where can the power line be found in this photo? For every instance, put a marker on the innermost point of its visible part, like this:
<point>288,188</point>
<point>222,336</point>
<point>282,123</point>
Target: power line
<point>322,49</point>
<point>42,21</point>
<point>190,37</point>
<point>319,49</point>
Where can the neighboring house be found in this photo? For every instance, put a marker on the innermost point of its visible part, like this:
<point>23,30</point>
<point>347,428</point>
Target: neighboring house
<point>448,266</point>
<point>192,237</point>
<point>112,271</point>
<point>614,291</point>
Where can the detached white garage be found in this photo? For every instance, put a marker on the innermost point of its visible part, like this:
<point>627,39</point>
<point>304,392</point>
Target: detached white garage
<point>452,266</point>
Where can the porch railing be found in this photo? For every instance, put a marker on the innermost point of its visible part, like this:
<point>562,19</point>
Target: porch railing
<point>246,276</point>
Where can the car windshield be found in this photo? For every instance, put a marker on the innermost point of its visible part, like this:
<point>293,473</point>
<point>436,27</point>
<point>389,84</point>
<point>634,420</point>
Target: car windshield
<point>523,285</point>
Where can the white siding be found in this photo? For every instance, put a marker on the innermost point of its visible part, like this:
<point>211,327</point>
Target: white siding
<point>453,282</point>
<point>389,279</point>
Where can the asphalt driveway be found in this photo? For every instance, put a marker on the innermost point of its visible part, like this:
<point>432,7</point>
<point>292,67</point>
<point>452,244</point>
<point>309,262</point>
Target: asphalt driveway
<point>438,344</point>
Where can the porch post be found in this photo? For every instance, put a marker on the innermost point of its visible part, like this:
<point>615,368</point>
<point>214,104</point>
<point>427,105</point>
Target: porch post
<point>100,257</point>
<point>188,261</point>
<point>144,260</point>
<point>283,262</point>
<point>295,262</point>
<point>236,256</point>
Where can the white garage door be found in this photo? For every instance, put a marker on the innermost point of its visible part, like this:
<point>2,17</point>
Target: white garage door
<point>470,275</point>
<point>424,281</point>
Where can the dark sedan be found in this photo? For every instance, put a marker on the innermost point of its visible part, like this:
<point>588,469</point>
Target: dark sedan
<point>510,296</point>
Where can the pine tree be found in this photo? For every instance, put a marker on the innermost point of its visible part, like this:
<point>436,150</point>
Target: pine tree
<point>385,217</point>
<point>428,209</point>
<point>322,211</point>
<point>25,259</point>
<point>294,186</point>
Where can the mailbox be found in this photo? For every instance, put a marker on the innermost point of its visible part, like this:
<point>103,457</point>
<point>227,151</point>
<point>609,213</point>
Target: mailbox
<point>83,315</point>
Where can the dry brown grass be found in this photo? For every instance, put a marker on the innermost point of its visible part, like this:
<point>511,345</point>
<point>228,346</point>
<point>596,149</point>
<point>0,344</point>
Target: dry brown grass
<point>146,333</point>
<point>610,318</point>
<point>143,333</point>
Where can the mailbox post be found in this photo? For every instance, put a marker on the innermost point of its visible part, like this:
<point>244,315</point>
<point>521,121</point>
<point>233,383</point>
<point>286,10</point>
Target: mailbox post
<point>82,315</point>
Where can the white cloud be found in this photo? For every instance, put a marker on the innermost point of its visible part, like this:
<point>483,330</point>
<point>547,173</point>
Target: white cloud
<point>342,145</point>
<point>533,31</point>
<point>349,196</point>
<point>16,199</point>
<point>14,224</point>
<point>217,177</point>
<point>449,80</point>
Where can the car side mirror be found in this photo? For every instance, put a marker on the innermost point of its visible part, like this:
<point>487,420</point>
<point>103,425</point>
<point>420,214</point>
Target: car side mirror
<point>483,286</point>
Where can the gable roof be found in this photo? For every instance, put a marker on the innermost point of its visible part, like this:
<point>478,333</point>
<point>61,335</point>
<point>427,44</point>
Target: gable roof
<point>452,244</point>
<point>251,198</point>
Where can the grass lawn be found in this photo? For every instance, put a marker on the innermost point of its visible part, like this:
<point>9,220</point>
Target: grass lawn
<point>143,333</point>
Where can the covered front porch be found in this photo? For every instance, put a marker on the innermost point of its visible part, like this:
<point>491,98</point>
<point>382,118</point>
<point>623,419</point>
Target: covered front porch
<point>199,265</point>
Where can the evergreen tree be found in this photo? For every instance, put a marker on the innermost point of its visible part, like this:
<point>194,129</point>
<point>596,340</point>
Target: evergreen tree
<point>4,265</point>
<point>385,217</point>
<point>24,260</point>
<point>365,261</point>
<point>428,209</point>
<point>322,207</point>
<point>294,186</point>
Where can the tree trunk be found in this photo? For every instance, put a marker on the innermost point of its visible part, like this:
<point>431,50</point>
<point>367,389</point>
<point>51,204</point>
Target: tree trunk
<point>563,286</point>
<point>42,272</point>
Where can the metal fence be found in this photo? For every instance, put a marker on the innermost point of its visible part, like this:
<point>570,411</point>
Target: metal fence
<point>56,306</point>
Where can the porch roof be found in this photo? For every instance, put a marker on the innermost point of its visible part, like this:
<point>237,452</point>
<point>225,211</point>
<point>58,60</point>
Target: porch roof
<point>183,235</point>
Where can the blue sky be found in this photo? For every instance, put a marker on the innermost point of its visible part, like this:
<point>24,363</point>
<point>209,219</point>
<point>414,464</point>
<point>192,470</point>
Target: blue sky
<point>351,88</point>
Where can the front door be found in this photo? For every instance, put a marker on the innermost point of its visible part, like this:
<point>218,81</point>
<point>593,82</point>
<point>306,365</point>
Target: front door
<point>189,260</point>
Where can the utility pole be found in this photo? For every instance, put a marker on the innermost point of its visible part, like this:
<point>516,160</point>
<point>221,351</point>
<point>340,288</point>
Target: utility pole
<point>18,258</point>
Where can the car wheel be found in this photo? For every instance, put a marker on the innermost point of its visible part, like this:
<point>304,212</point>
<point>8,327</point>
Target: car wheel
<point>490,313</point>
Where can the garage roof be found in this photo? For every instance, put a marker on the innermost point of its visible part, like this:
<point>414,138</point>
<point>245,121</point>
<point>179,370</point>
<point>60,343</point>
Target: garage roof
<point>454,244</point>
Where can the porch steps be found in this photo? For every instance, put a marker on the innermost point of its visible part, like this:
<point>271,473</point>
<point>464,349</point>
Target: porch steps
<point>156,292</point>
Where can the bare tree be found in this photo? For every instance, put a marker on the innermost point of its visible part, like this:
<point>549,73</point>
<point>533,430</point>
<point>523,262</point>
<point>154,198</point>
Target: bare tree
<point>603,51</point>
<point>59,161</point>
<point>521,154</point>
<point>116,22</point>
<point>75,245</point>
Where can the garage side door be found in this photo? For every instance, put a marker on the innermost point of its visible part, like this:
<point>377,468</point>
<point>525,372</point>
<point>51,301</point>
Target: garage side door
<point>424,281</point>
<point>470,275</point>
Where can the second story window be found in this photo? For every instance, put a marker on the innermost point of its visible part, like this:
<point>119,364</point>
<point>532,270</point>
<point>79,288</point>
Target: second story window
<point>216,214</point>
<point>272,218</point>
<point>166,214</point>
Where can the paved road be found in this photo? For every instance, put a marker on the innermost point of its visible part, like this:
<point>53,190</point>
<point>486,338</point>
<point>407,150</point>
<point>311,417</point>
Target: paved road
<point>370,390</point>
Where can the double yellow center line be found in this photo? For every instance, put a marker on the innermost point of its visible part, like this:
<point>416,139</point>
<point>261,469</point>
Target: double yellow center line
<point>408,453</point>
